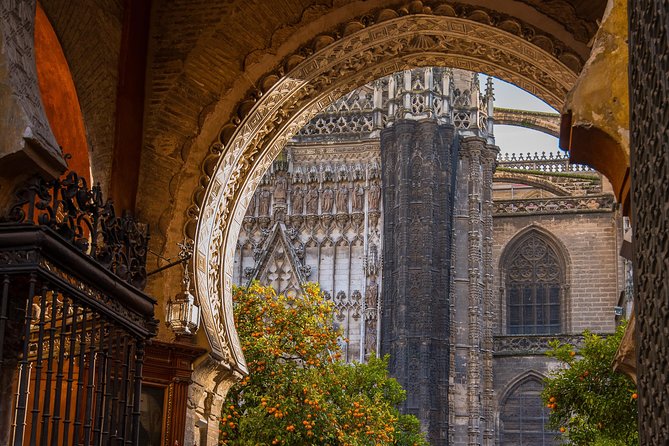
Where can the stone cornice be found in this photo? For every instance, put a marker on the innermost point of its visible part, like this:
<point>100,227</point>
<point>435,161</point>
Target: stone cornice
<point>525,345</point>
<point>557,205</point>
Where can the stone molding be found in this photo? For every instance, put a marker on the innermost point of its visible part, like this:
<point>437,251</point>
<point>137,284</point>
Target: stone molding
<point>557,205</point>
<point>523,345</point>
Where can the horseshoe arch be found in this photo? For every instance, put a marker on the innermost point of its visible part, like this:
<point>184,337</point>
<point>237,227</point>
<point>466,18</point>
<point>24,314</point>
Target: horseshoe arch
<point>339,66</point>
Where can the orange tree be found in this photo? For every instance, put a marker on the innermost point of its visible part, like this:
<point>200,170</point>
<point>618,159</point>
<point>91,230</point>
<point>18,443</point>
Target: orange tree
<point>590,403</point>
<point>298,391</point>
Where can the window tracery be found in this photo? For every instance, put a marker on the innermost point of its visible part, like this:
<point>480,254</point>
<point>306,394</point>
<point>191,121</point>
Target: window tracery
<point>534,284</point>
<point>523,417</point>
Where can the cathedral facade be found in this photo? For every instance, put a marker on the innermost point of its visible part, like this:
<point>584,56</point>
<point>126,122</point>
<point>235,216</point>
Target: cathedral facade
<point>460,263</point>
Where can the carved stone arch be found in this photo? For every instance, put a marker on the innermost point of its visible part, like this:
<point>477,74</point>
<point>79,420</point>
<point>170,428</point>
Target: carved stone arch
<point>557,243</point>
<point>59,96</point>
<point>508,396</point>
<point>248,148</point>
<point>548,123</point>
<point>343,241</point>
<point>531,180</point>
<point>561,254</point>
<point>517,381</point>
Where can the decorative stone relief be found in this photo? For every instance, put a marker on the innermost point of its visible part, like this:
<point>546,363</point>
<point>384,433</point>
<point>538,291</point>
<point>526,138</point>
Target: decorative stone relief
<point>280,265</point>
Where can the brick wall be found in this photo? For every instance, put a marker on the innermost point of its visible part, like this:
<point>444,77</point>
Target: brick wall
<point>90,35</point>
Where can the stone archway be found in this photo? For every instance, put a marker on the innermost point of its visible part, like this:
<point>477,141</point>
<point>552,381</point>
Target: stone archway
<point>548,123</point>
<point>247,147</point>
<point>59,96</point>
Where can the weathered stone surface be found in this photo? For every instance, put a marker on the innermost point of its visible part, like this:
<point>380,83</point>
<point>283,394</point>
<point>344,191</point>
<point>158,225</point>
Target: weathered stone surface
<point>417,164</point>
<point>596,111</point>
<point>27,145</point>
<point>544,122</point>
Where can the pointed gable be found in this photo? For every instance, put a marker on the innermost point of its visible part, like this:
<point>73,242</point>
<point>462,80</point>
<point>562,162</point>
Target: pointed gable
<point>280,266</point>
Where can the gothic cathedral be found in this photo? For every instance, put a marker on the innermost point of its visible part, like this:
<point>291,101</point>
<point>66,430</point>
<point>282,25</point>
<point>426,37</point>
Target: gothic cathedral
<point>454,260</point>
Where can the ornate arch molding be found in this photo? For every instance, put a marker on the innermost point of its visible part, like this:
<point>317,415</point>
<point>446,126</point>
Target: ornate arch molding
<point>247,146</point>
<point>563,258</point>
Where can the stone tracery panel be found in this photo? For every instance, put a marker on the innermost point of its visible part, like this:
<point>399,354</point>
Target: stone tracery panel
<point>535,284</point>
<point>523,417</point>
<point>534,279</point>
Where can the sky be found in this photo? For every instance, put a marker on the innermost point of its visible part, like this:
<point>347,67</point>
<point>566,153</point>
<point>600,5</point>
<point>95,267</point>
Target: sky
<point>512,139</point>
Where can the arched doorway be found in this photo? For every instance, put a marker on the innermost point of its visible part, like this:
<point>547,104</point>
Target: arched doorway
<point>248,146</point>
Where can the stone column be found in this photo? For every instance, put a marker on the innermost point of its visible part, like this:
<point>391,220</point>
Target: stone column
<point>209,385</point>
<point>472,371</point>
<point>471,150</point>
<point>488,158</point>
<point>417,196</point>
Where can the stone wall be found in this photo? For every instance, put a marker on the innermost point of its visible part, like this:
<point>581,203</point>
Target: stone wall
<point>594,270</point>
<point>317,217</point>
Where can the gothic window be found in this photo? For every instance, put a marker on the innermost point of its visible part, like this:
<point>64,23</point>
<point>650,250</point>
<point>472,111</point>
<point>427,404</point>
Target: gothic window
<point>523,417</point>
<point>534,279</point>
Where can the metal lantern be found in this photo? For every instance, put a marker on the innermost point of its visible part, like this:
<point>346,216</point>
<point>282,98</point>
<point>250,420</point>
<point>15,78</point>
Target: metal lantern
<point>183,314</point>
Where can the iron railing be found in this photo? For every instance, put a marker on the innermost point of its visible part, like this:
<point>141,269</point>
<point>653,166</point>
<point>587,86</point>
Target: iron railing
<point>73,321</point>
<point>557,163</point>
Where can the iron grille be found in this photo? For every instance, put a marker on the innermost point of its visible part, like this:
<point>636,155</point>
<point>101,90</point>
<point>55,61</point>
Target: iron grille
<point>73,324</point>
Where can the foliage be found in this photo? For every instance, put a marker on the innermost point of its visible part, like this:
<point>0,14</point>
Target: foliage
<point>590,403</point>
<point>298,391</point>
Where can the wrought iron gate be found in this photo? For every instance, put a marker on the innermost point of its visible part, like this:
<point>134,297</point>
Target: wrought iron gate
<point>73,321</point>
